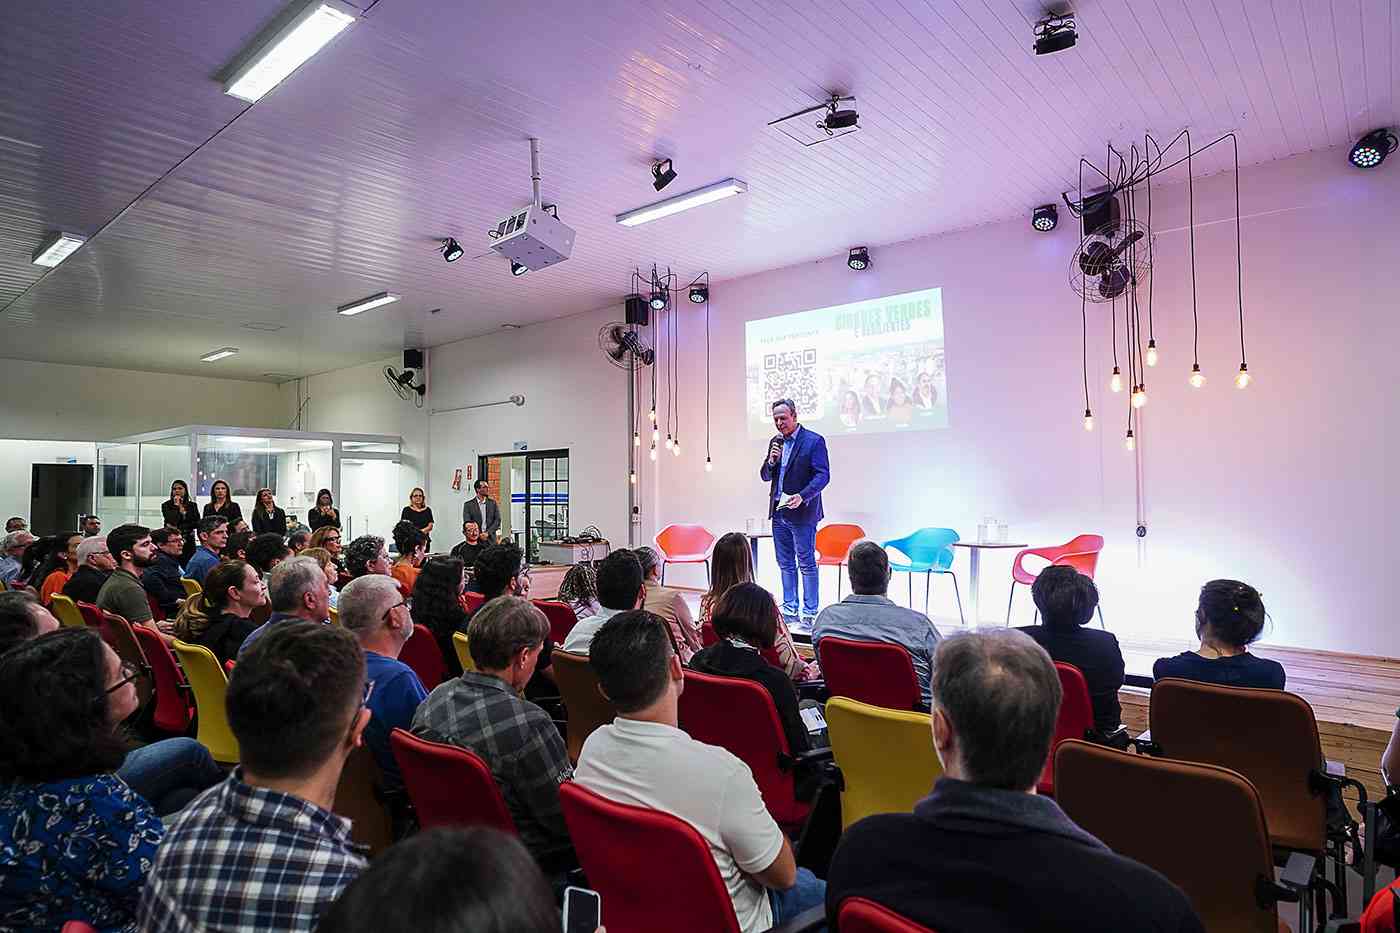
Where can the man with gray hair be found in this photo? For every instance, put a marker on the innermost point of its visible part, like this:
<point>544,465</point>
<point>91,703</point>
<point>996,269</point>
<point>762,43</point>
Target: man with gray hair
<point>375,612</point>
<point>95,565</point>
<point>298,591</point>
<point>796,469</point>
<point>869,615</point>
<point>984,851</point>
<point>12,548</point>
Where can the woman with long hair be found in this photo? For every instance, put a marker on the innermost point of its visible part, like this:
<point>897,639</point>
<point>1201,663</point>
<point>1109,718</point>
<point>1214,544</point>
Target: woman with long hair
<point>61,563</point>
<point>327,537</point>
<point>324,514</point>
<point>77,839</point>
<point>731,563</point>
<point>267,517</point>
<point>901,407</point>
<point>329,567</point>
<point>221,503</point>
<point>437,605</point>
<point>180,511</point>
<point>220,617</point>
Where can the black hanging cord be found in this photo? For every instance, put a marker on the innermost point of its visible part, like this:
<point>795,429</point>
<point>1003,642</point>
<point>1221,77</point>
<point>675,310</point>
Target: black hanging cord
<point>1239,254</point>
<point>1191,220</point>
<point>1084,315</point>
<point>1151,334</point>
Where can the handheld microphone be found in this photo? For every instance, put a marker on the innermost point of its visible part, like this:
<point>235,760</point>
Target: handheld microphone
<point>775,449</point>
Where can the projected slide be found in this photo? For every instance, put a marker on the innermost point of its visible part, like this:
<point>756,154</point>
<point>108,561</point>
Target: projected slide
<point>860,368</point>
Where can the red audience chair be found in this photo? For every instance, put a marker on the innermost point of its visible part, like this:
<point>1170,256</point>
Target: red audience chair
<point>78,926</point>
<point>473,601</point>
<point>878,673</point>
<point>833,544</point>
<point>1080,552</point>
<point>1076,720</point>
<point>561,618</point>
<point>708,638</point>
<point>739,715</point>
<point>157,613</point>
<point>174,711</point>
<point>421,652</point>
<point>638,859</point>
<point>858,915</point>
<point>118,633</point>
<point>91,615</point>
<point>685,544</point>
<point>449,785</point>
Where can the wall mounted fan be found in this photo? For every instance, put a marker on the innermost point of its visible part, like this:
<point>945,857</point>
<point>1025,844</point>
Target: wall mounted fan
<point>1110,260</point>
<point>621,345</point>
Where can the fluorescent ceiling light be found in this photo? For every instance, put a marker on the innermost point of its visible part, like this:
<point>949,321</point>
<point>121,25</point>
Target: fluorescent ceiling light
<point>366,304</point>
<point>683,202</point>
<point>291,42</point>
<point>219,354</point>
<point>55,248</point>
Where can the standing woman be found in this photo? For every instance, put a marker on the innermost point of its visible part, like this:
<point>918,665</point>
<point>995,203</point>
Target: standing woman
<point>267,516</point>
<point>418,514</point>
<point>324,514</point>
<point>221,504</point>
<point>180,511</point>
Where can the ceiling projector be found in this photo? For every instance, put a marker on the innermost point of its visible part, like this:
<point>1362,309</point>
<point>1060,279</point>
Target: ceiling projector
<point>532,237</point>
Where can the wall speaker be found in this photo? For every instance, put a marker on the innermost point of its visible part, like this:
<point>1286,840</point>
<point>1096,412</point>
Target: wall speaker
<point>412,359</point>
<point>638,311</point>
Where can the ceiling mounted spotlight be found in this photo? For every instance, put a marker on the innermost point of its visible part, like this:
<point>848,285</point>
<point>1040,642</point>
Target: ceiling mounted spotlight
<point>1055,34</point>
<point>452,250</point>
<point>517,269</point>
<point>1045,217</point>
<point>1371,149</point>
<point>662,176</point>
<point>658,300</point>
<point>859,259</point>
<point>837,119</point>
<point>699,294</point>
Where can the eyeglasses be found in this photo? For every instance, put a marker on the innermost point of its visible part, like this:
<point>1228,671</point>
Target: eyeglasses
<point>330,540</point>
<point>130,672</point>
<point>369,689</point>
<point>406,603</point>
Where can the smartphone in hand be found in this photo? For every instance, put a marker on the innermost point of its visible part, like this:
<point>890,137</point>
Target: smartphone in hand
<point>583,910</point>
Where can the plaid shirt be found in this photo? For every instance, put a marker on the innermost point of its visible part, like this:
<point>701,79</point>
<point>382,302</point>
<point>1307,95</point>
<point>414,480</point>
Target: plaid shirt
<point>518,742</point>
<point>244,858</point>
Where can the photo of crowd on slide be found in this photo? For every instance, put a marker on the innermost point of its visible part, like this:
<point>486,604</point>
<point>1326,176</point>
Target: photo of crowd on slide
<point>899,386</point>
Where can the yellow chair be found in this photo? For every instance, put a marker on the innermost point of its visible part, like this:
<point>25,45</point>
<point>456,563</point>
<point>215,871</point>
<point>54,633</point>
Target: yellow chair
<point>192,587</point>
<point>886,757</point>
<point>209,683</point>
<point>334,615</point>
<point>66,611</point>
<point>464,650</point>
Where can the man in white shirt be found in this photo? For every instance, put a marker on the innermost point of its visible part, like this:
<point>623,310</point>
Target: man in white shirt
<point>644,759</point>
<point>620,588</point>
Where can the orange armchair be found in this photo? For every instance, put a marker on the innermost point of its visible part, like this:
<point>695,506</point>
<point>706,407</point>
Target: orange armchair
<point>685,544</point>
<point>834,544</point>
<point>1080,552</point>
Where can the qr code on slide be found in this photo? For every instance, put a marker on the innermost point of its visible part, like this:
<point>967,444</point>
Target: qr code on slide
<point>792,374</point>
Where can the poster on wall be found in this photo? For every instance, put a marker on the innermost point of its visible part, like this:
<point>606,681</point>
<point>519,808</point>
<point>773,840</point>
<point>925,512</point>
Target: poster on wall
<point>865,367</point>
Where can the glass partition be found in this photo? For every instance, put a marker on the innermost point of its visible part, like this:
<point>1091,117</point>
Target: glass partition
<point>369,501</point>
<point>118,466</point>
<point>292,468</point>
<point>163,461</point>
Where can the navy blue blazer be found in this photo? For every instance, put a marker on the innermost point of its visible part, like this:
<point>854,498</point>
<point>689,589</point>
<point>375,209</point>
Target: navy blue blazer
<point>808,472</point>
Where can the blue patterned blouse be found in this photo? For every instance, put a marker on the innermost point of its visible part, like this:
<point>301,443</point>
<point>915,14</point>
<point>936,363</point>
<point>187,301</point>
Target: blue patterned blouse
<point>77,849</point>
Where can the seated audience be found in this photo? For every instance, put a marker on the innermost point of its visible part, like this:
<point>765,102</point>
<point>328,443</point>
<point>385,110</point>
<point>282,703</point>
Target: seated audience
<point>1229,617</point>
<point>12,548</point>
<point>221,503</point>
<point>15,523</point>
<point>1066,600</point>
<point>299,540</point>
<point>501,571</point>
<point>268,517</point>
<point>579,591</point>
<point>59,566</point>
<point>220,617</point>
<point>325,514</point>
<point>123,594</point>
<point>298,592</point>
<point>266,551</point>
<point>869,615</point>
<point>645,760</point>
<point>448,881</point>
<point>22,617</point>
<point>472,545</point>
<point>237,546</point>
<point>162,578</point>
<point>376,613</point>
<point>263,850</point>
<point>437,606</point>
<point>669,603</point>
<point>731,562</point>
<point>984,851</point>
<point>620,588</point>
<point>746,620</point>
<point>328,564</point>
<point>328,537</point>
<point>412,545</point>
<point>91,525</point>
<point>366,554</point>
<point>213,536</point>
<point>95,565</point>
<point>32,560</point>
<point>75,840</point>
<point>481,710</point>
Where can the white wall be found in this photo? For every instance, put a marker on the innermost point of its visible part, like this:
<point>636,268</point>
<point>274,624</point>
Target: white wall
<point>52,401</point>
<point>1288,485</point>
<point>18,457</point>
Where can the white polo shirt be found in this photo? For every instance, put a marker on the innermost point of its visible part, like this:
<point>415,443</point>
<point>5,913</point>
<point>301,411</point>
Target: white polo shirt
<point>652,765</point>
<point>580,637</point>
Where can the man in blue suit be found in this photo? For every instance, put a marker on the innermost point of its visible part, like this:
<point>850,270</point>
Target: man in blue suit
<point>797,470</point>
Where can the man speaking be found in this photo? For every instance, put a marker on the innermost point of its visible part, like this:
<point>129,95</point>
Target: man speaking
<point>797,470</point>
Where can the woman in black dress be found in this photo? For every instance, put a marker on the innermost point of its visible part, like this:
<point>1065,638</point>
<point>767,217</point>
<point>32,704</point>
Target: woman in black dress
<point>325,513</point>
<point>180,511</point>
<point>221,504</point>
<point>267,517</point>
<point>417,513</point>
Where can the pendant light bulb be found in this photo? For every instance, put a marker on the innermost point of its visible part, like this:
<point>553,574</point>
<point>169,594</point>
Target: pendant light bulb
<point>653,453</point>
<point>655,436</point>
<point>1129,442</point>
<point>669,442</point>
<point>1198,378</point>
<point>632,477</point>
<point>676,447</point>
<point>1088,420</point>
<point>652,415</point>
<point>636,439</point>
<point>1243,378</point>
<point>1116,382</point>
<point>709,466</point>
<point>1151,353</point>
<point>1139,396</point>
